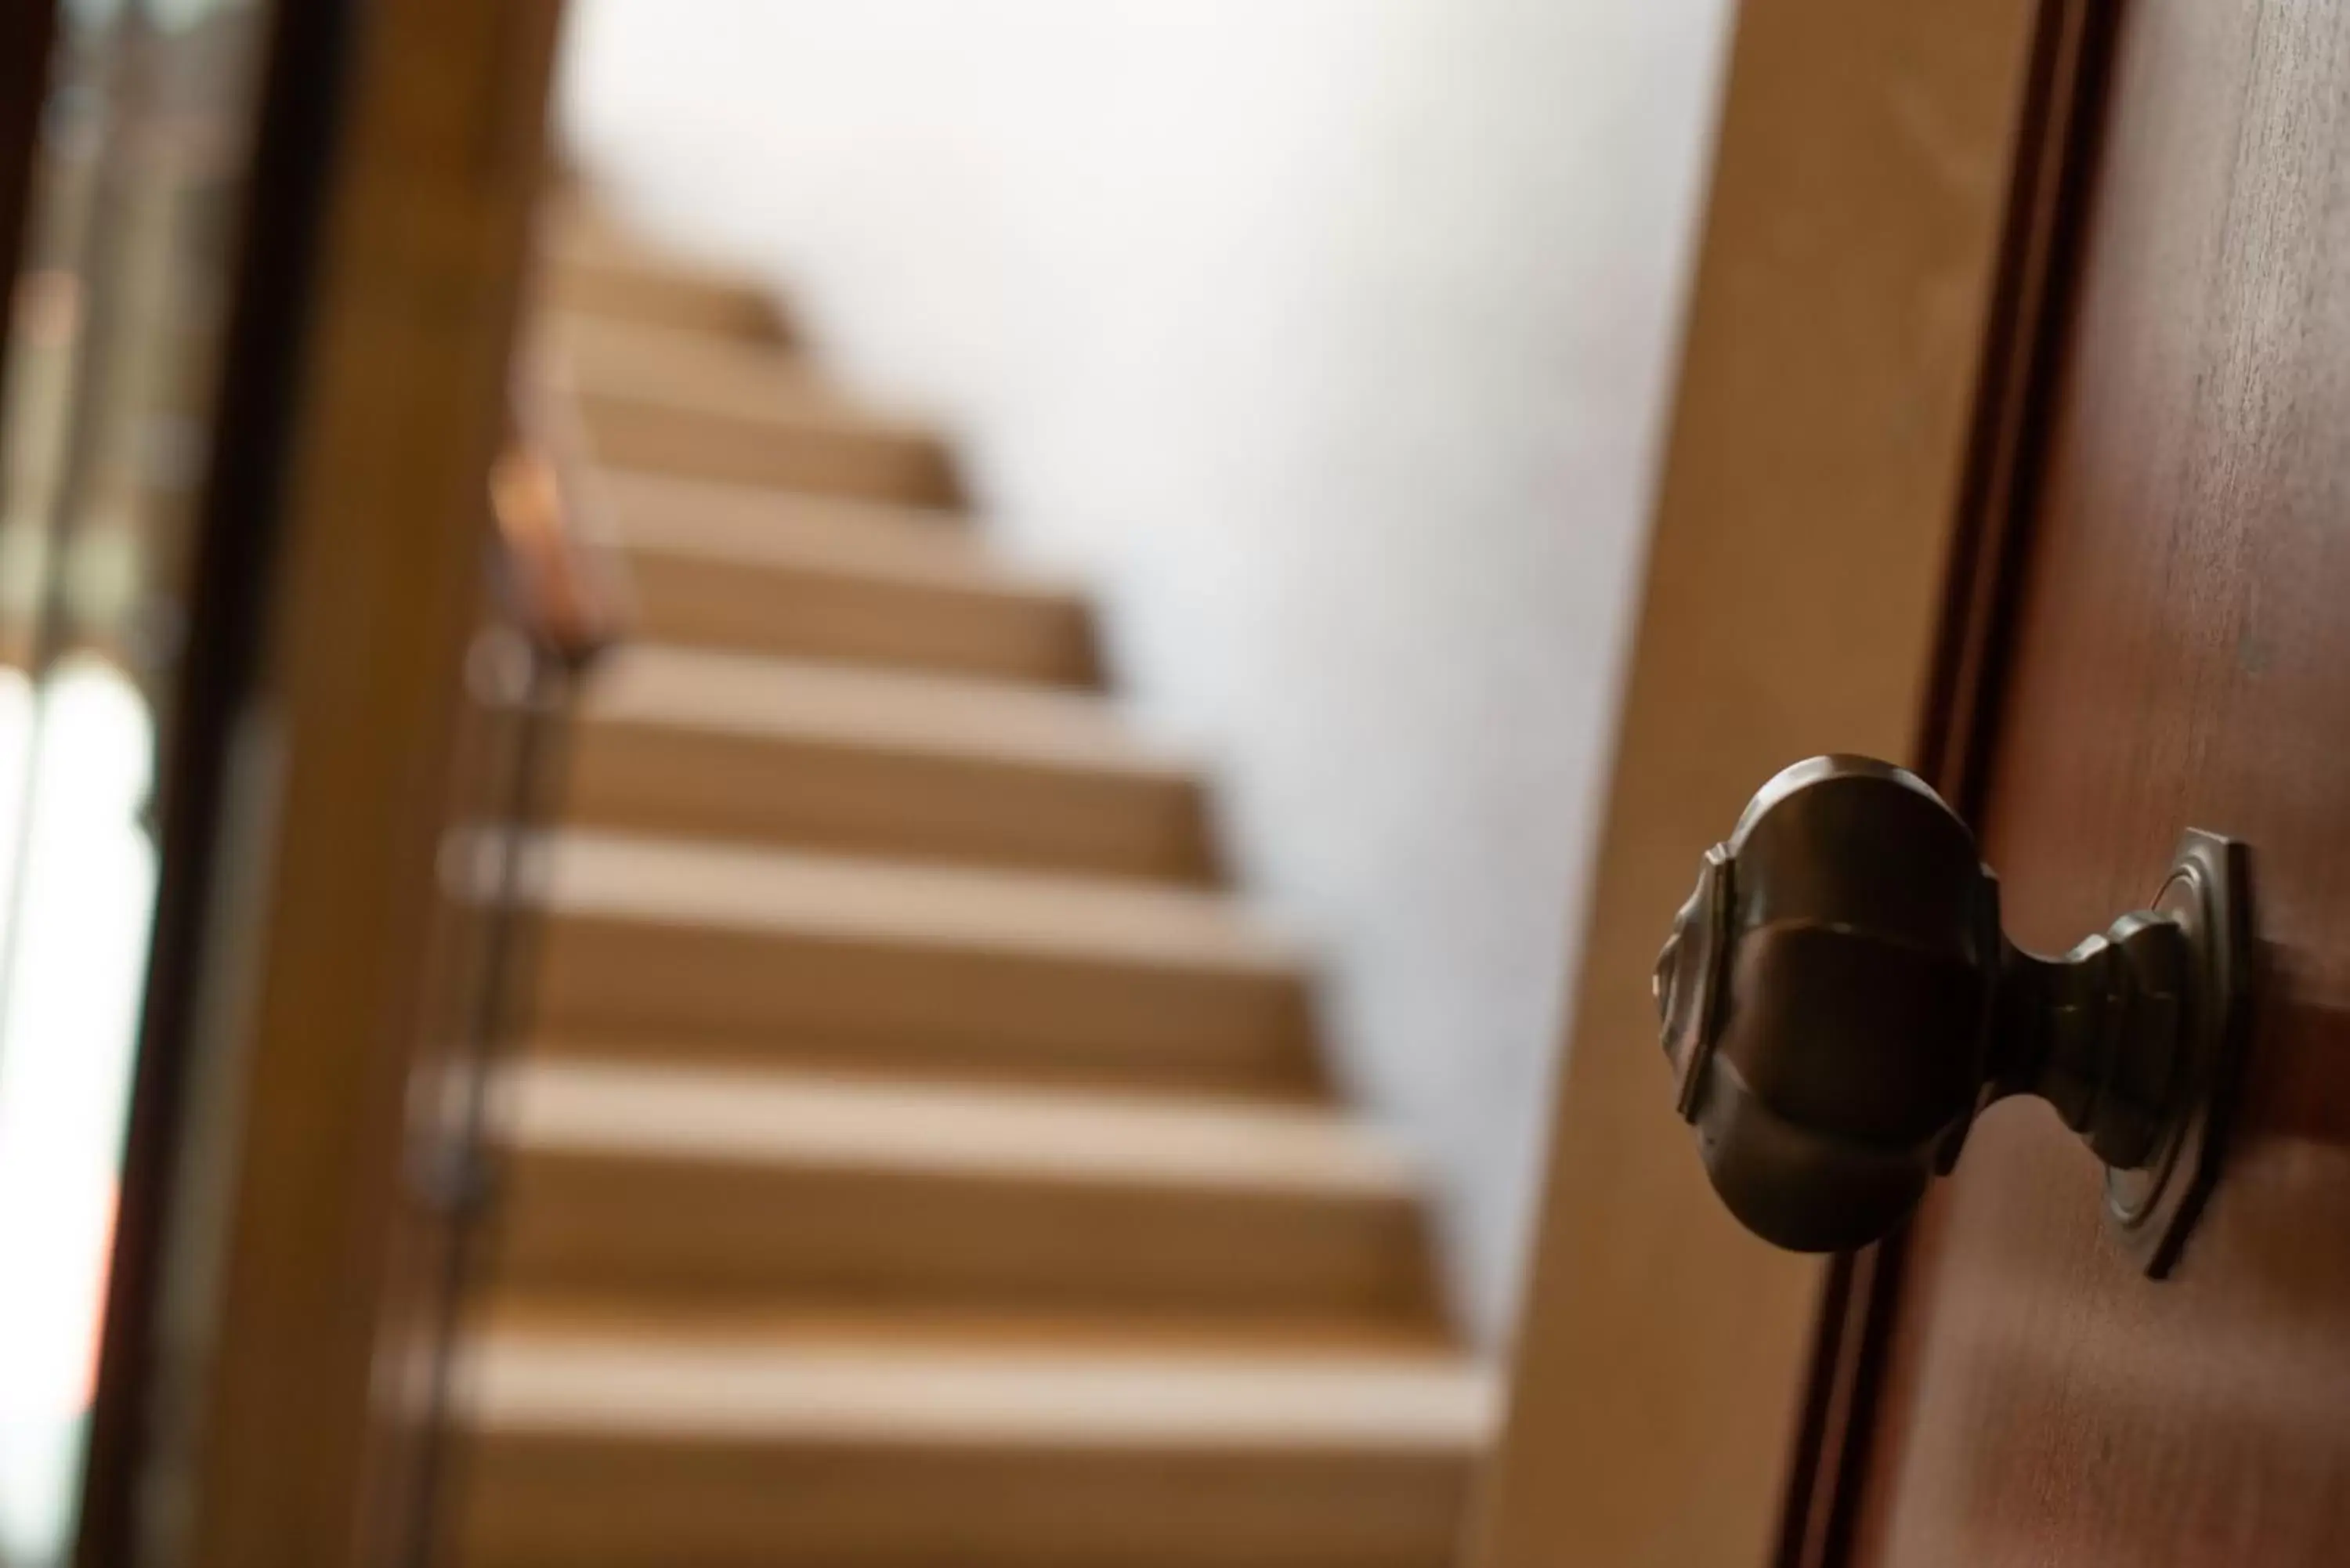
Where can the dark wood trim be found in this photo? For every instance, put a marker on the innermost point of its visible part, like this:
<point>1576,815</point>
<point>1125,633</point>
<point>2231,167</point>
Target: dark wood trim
<point>1843,1361</point>
<point>2054,152</point>
<point>28,30</point>
<point>236,532</point>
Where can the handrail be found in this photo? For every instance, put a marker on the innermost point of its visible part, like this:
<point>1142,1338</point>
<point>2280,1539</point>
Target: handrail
<point>567,585</point>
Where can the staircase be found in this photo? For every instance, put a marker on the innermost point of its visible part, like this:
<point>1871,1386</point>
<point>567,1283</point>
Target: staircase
<point>921,1159</point>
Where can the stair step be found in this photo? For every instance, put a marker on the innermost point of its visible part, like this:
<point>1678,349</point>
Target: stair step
<point>578,223</point>
<point>686,368</point>
<point>636,1450</point>
<point>770,572</point>
<point>669,741</point>
<point>709,408</point>
<point>654,1189</point>
<point>912,1164</point>
<point>692,949</point>
<point>1017,1331</point>
<point>609,282</point>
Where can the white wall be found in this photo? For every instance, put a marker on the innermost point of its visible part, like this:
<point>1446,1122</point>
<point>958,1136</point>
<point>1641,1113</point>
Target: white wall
<point>1329,338</point>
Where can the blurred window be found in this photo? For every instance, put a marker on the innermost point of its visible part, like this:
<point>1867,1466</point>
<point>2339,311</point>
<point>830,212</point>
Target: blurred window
<point>113,354</point>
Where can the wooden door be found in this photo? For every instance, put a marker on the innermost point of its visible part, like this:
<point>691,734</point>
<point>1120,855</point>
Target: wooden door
<point>2176,652</point>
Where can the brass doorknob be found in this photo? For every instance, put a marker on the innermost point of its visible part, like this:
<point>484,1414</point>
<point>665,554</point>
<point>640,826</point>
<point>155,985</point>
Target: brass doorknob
<point>1840,1002</point>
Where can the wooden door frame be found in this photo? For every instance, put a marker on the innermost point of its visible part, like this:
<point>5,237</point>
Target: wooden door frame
<point>2055,149</point>
<point>240,1370</point>
<point>1827,573</point>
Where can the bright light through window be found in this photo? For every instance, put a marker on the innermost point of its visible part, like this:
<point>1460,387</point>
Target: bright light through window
<point>69,1003</point>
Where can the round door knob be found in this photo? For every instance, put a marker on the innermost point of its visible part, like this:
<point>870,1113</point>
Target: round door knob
<point>1839,1004</point>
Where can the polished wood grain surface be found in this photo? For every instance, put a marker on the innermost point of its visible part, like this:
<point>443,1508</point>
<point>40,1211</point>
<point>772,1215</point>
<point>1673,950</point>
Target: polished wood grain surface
<point>2181,656</point>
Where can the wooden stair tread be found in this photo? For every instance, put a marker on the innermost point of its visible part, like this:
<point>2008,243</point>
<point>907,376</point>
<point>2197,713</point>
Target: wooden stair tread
<point>721,951</point>
<point>661,293</point>
<point>576,225</point>
<point>769,571</point>
<point>682,371</point>
<point>614,876</point>
<point>872,1390</point>
<point>849,758</point>
<point>828,448</point>
<point>752,525</point>
<point>660,1186</point>
<point>753,695</point>
<point>688,369</point>
<point>1026,1134</point>
<point>925,1324</point>
<point>594,267</point>
<point>647,1451</point>
<point>721,405</point>
<point>725,952</point>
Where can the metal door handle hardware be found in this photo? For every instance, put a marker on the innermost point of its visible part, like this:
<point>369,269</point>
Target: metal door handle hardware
<point>1840,1002</point>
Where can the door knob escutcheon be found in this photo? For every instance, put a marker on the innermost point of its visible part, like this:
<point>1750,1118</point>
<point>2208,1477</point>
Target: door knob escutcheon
<point>1839,1002</point>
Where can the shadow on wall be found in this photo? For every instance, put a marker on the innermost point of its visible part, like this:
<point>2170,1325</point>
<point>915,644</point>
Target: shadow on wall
<point>1329,339</point>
